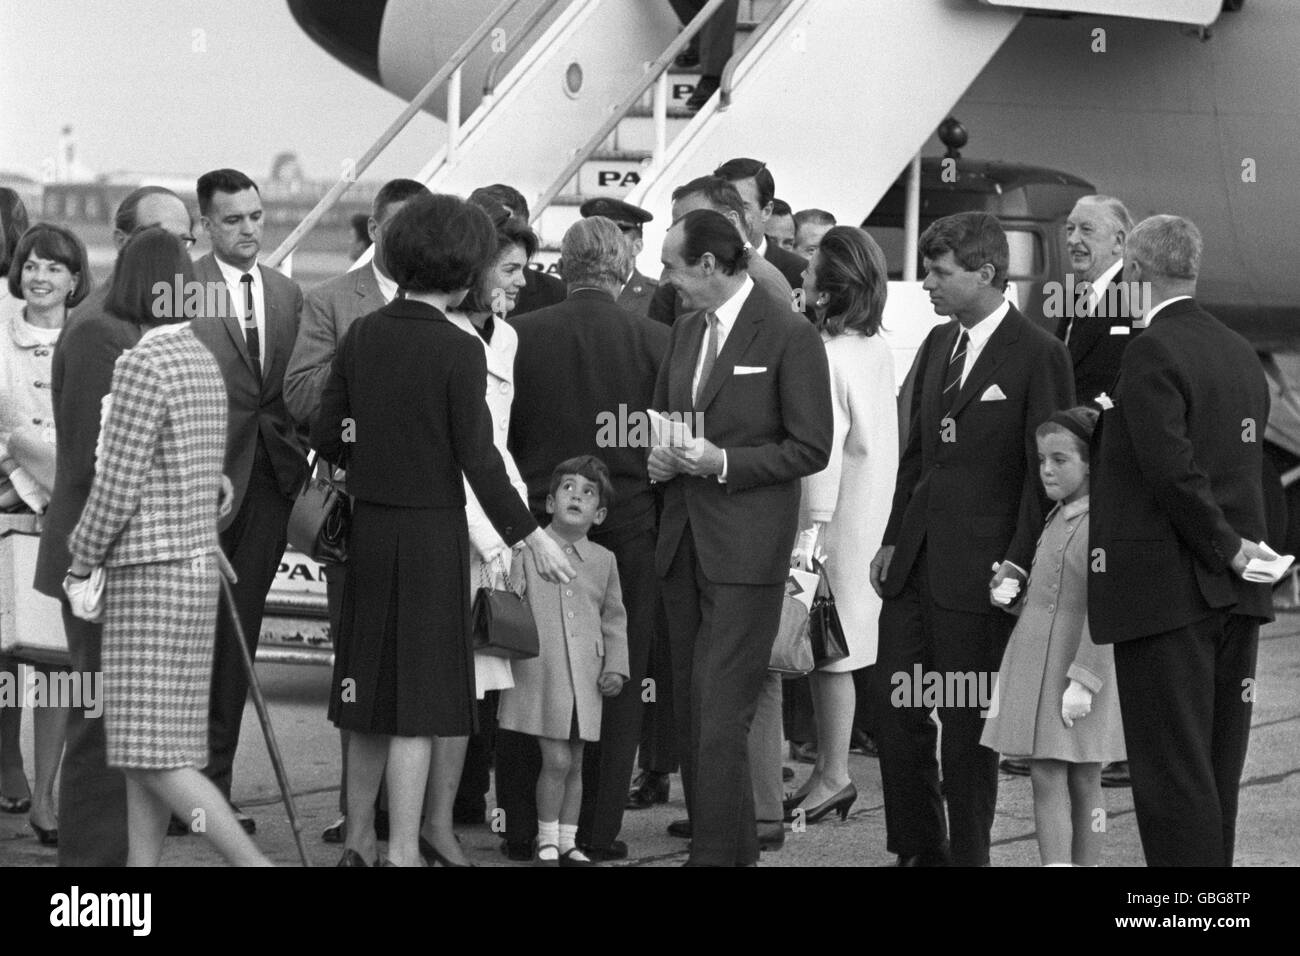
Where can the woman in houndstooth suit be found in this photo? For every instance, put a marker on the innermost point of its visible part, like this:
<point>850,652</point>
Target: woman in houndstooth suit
<point>151,521</point>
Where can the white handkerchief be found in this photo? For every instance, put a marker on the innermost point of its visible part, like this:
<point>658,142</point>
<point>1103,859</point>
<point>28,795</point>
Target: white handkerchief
<point>993,394</point>
<point>1119,330</point>
<point>1267,570</point>
<point>749,369</point>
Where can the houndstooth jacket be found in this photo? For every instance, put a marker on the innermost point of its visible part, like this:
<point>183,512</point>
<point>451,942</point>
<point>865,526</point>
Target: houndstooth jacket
<point>158,477</point>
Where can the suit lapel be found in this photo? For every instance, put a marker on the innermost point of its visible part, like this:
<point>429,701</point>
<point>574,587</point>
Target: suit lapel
<point>993,355</point>
<point>278,325</point>
<point>742,333</point>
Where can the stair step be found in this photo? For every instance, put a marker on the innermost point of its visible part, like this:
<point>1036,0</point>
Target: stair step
<point>636,131</point>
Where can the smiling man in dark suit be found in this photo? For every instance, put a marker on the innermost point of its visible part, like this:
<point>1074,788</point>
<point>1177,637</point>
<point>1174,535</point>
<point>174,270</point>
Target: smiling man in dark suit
<point>967,497</point>
<point>1096,323</point>
<point>251,341</point>
<point>751,376</point>
<point>1177,504</point>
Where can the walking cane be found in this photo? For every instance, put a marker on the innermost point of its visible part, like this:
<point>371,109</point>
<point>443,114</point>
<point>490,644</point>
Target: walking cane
<point>259,702</point>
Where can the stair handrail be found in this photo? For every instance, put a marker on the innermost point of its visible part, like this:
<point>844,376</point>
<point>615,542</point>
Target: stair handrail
<point>499,61</point>
<point>727,81</point>
<point>620,109</point>
<point>450,71</point>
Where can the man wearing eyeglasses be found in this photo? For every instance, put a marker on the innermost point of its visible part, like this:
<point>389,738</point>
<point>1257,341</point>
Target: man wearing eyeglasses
<point>638,290</point>
<point>92,796</point>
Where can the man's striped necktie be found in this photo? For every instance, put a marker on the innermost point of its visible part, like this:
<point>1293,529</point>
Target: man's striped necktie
<point>952,381</point>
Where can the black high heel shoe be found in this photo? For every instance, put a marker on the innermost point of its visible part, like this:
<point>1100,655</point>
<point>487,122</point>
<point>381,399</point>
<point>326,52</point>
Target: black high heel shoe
<point>432,855</point>
<point>46,837</point>
<point>840,803</point>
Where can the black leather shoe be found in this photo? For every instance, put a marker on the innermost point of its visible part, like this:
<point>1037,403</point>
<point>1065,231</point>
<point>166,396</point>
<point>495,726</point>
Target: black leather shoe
<point>704,90</point>
<point>787,774</point>
<point>244,820</point>
<point>518,852</point>
<point>1116,774</point>
<point>351,857</point>
<point>601,854</point>
<point>688,59</point>
<point>935,858</point>
<point>1014,766</point>
<point>336,832</point>
<point>45,837</point>
<point>648,788</point>
<point>176,827</point>
<point>771,835</point>
<point>680,828</point>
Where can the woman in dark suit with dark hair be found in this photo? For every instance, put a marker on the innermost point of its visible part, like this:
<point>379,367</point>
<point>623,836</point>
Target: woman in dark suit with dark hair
<point>404,412</point>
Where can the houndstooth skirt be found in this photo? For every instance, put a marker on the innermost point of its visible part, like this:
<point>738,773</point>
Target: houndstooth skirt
<point>159,633</point>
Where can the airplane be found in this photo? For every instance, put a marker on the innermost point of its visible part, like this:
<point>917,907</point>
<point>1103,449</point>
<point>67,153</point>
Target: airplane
<point>1166,117</point>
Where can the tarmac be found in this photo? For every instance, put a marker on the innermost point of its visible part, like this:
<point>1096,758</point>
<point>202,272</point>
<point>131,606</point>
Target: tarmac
<point>1268,826</point>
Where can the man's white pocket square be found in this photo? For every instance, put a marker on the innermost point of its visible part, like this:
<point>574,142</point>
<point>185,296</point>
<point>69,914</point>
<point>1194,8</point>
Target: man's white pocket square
<point>1119,330</point>
<point>749,369</point>
<point>993,394</point>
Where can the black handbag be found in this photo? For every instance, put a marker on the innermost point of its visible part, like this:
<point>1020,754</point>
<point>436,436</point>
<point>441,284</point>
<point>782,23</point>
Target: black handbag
<point>321,517</point>
<point>503,621</point>
<point>824,630</point>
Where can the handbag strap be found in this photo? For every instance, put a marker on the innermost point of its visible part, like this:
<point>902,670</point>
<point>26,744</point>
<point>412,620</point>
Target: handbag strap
<point>485,577</point>
<point>330,471</point>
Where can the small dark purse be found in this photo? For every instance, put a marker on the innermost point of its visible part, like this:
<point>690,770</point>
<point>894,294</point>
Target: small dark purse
<point>824,630</point>
<point>503,621</point>
<point>321,518</point>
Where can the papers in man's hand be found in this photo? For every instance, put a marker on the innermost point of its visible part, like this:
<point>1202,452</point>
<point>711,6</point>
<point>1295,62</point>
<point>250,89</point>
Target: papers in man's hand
<point>1267,570</point>
<point>672,432</point>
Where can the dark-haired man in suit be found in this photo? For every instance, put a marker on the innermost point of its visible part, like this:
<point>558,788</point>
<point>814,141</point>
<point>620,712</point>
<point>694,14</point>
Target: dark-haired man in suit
<point>716,193</point>
<point>1177,506</point>
<point>327,312</point>
<point>967,497</point>
<point>754,181</point>
<point>252,342</point>
<point>92,795</point>
<point>751,376</point>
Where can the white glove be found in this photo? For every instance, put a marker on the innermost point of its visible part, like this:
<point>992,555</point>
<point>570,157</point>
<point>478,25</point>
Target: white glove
<point>1076,703</point>
<point>86,595</point>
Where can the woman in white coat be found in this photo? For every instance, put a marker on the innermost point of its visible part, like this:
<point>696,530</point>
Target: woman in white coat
<point>848,502</point>
<point>482,315</point>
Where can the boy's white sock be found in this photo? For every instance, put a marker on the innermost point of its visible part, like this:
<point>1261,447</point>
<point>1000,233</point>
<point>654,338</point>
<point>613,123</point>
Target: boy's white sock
<point>568,837</point>
<point>548,834</point>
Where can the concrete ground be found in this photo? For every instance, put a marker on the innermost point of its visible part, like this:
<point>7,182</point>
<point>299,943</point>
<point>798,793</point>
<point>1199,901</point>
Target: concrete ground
<point>1268,827</point>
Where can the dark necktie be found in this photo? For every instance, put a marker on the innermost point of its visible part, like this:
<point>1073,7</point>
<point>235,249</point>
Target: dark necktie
<point>251,337</point>
<point>710,354</point>
<point>952,381</point>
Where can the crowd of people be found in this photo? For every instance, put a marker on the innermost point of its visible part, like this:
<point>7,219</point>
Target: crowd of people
<point>1101,469</point>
